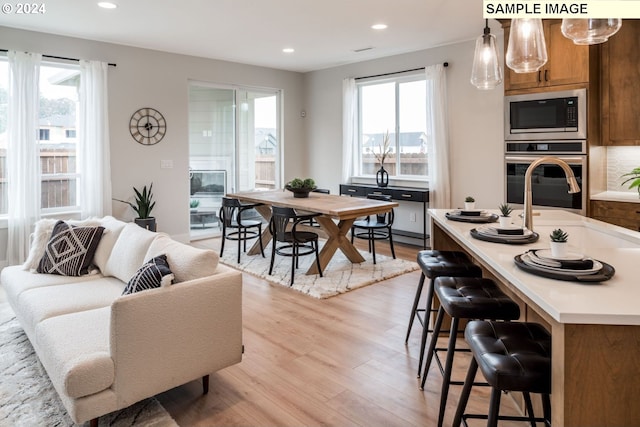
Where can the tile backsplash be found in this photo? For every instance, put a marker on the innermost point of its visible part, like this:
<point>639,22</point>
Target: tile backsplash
<point>621,160</point>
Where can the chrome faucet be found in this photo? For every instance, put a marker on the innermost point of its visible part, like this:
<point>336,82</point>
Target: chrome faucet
<point>571,180</point>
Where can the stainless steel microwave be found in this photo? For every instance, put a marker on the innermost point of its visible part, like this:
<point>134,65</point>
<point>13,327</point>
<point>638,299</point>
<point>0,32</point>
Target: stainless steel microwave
<point>544,116</point>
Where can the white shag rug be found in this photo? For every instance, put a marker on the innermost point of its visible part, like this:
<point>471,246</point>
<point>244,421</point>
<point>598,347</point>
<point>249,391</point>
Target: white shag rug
<point>28,399</point>
<point>340,276</point>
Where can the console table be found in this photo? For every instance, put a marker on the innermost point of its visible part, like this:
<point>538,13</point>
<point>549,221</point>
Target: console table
<point>419,195</point>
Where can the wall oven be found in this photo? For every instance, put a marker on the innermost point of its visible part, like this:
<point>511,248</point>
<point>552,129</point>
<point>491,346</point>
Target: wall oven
<point>549,184</point>
<point>546,116</point>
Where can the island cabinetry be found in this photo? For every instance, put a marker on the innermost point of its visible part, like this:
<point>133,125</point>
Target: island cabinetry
<point>619,213</point>
<point>621,86</point>
<point>567,63</point>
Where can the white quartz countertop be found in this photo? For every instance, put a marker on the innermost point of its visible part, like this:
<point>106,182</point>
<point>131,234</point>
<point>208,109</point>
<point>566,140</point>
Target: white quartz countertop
<point>615,301</point>
<point>617,196</point>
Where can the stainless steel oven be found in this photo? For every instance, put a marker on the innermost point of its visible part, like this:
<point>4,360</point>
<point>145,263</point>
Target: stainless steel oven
<point>549,184</point>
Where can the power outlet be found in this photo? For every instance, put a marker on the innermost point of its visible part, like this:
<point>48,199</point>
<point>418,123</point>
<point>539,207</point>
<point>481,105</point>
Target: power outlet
<point>412,217</point>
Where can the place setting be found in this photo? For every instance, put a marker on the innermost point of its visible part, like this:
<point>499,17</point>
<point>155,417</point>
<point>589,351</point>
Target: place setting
<point>471,214</point>
<point>561,264</point>
<point>508,234</point>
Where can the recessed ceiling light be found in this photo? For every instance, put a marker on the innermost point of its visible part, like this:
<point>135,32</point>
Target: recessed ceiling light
<point>288,50</point>
<point>379,26</point>
<point>107,5</point>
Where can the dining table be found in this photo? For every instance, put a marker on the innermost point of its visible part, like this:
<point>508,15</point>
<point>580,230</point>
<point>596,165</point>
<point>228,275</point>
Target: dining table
<point>336,215</point>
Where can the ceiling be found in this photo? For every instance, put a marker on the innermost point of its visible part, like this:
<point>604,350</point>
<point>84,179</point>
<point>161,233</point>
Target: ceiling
<point>324,33</point>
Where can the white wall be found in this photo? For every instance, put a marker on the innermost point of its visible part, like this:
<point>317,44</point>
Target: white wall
<point>475,121</point>
<point>147,78</point>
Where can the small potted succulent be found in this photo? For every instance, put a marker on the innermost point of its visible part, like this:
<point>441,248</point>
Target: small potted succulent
<point>300,187</point>
<point>469,203</point>
<point>505,211</point>
<point>193,205</point>
<point>558,243</point>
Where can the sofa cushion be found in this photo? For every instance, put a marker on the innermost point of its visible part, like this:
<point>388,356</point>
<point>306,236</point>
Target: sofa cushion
<point>112,229</point>
<point>153,274</point>
<point>128,253</point>
<point>36,305</point>
<point>74,349</point>
<point>187,263</point>
<point>42,234</point>
<point>70,250</point>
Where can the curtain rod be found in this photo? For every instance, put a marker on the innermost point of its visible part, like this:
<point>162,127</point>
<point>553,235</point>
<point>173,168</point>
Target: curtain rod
<point>60,57</point>
<point>446,64</point>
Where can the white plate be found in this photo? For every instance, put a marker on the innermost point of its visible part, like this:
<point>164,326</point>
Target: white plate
<point>527,259</point>
<point>492,230</point>
<point>570,256</point>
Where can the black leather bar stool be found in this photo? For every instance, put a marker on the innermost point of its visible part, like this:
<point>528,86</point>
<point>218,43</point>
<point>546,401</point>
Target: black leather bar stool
<point>434,264</point>
<point>464,298</point>
<point>512,357</point>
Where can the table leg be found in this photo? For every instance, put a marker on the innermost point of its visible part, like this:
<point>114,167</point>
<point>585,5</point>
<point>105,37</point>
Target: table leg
<point>265,212</point>
<point>336,240</point>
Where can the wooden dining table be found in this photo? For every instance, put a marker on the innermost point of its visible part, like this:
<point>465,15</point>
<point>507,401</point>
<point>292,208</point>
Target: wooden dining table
<point>330,207</point>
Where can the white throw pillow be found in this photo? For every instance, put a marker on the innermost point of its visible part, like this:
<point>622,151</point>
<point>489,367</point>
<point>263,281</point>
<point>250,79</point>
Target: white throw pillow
<point>186,262</point>
<point>128,253</point>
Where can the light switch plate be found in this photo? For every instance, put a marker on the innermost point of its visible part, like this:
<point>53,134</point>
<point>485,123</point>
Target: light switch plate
<point>166,164</point>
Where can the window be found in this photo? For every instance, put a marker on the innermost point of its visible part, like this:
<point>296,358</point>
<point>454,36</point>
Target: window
<point>56,133</point>
<point>396,107</point>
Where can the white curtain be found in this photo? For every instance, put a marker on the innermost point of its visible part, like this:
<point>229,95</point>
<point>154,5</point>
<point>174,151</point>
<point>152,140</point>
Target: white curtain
<point>23,168</point>
<point>94,160</point>
<point>349,128</point>
<point>438,137</point>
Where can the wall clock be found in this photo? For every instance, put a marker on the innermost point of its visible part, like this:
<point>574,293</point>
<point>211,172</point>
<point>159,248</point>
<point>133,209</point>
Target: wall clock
<point>147,126</point>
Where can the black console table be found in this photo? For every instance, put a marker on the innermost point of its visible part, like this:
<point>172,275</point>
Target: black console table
<point>404,194</point>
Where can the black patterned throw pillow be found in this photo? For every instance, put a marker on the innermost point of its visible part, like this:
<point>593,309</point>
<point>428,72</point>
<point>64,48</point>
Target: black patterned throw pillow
<point>153,274</point>
<point>70,250</point>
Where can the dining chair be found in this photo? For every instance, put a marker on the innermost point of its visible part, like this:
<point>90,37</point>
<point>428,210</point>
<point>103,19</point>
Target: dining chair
<point>312,222</point>
<point>236,228</point>
<point>376,227</point>
<point>288,241</point>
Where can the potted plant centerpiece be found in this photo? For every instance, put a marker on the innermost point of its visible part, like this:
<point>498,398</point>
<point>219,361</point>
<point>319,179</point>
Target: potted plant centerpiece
<point>300,187</point>
<point>143,207</point>
<point>634,177</point>
<point>505,211</point>
<point>558,243</point>
<point>469,203</point>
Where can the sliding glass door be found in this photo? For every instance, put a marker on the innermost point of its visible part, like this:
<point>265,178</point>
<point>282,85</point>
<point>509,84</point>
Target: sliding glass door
<point>234,146</point>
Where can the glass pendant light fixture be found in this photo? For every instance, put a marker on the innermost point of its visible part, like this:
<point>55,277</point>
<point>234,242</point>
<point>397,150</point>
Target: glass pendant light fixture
<point>590,31</point>
<point>486,72</point>
<point>527,50</point>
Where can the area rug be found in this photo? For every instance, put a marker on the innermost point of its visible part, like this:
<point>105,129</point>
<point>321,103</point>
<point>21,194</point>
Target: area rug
<point>340,276</point>
<point>28,399</point>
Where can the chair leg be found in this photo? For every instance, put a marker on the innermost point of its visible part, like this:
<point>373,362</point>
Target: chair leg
<point>318,258</point>
<point>427,320</point>
<point>393,252</point>
<point>446,380</point>
<point>373,245</point>
<point>494,407</point>
<point>546,409</point>
<point>432,347</point>
<point>205,384</point>
<point>273,256</point>
<point>93,422</point>
<point>466,391</point>
<point>239,243</point>
<point>529,406</point>
<point>353,232</point>
<point>294,260</point>
<point>224,237</point>
<point>416,301</point>
<point>260,239</point>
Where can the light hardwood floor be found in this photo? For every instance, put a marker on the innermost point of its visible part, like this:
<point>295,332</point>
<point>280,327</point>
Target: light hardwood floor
<point>341,361</point>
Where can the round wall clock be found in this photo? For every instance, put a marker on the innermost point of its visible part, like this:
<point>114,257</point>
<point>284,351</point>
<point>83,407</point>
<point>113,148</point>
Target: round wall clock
<point>147,126</point>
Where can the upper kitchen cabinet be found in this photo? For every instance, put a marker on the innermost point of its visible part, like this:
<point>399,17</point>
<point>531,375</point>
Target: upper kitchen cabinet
<point>620,85</point>
<point>567,62</point>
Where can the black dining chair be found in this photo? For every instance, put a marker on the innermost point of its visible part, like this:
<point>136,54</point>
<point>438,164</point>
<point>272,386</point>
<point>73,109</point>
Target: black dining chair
<point>376,227</point>
<point>312,222</point>
<point>288,241</point>
<point>236,228</point>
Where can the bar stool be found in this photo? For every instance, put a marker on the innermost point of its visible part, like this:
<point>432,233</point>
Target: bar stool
<point>464,298</point>
<point>512,357</point>
<point>434,264</point>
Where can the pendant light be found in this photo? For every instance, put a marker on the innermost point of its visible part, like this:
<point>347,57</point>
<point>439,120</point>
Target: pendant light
<point>590,31</point>
<point>486,72</point>
<point>527,50</point>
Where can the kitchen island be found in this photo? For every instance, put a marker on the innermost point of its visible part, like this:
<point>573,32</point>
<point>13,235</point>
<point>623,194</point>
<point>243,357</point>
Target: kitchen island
<point>595,327</point>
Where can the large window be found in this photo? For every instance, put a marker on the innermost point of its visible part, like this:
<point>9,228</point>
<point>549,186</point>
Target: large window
<point>395,108</point>
<point>56,134</point>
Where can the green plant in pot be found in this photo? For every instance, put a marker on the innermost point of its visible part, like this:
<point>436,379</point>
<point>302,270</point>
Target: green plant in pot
<point>143,206</point>
<point>558,243</point>
<point>193,205</point>
<point>469,203</point>
<point>505,211</point>
<point>634,178</point>
<point>300,187</point>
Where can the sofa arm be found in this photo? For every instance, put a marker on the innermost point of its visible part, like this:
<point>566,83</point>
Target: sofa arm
<point>166,337</point>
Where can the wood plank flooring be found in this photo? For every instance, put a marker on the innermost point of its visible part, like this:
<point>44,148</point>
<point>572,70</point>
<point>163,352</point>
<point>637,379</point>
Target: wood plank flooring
<point>341,361</point>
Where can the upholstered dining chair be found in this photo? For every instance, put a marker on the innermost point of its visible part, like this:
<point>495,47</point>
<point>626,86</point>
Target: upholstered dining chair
<point>236,228</point>
<point>376,227</point>
<point>288,241</point>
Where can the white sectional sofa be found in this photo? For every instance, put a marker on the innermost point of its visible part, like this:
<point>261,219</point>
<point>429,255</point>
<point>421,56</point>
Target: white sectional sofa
<point>104,351</point>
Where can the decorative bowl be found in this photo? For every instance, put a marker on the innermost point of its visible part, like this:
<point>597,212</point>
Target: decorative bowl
<point>300,193</point>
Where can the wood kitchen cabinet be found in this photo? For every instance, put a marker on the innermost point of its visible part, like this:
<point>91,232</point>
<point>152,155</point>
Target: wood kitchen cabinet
<point>619,213</point>
<point>567,62</point>
<point>620,86</point>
